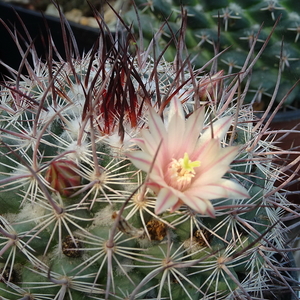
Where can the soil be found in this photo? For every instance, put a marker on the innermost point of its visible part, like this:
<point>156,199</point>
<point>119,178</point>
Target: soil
<point>77,10</point>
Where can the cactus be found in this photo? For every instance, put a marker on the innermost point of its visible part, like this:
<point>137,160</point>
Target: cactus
<point>124,176</point>
<point>233,25</point>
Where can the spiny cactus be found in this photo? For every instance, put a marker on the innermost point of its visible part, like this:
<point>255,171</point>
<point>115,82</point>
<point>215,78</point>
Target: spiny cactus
<point>234,24</point>
<point>127,177</point>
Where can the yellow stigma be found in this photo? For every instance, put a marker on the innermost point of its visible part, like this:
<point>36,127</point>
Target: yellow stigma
<point>189,165</point>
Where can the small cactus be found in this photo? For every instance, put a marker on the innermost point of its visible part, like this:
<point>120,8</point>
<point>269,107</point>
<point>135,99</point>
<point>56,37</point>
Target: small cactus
<point>124,176</point>
<point>234,26</point>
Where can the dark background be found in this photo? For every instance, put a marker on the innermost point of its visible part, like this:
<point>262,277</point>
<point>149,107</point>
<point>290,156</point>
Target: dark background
<point>35,24</point>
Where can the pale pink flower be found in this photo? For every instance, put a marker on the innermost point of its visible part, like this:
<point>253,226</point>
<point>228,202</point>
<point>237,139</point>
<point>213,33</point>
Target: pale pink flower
<point>186,166</point>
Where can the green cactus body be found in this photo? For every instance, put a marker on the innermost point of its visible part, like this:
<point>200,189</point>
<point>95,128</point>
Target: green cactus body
<point>127,177</point>
<point>239,24</point>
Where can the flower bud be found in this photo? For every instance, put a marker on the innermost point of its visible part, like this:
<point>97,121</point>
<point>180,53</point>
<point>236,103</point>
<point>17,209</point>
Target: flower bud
<point>63,177</point>
<point>207,86</point>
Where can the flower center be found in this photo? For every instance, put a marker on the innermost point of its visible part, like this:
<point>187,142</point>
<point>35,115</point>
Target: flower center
<point>181,171</point>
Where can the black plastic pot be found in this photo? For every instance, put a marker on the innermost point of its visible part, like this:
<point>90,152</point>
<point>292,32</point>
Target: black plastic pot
<point>35,24</point>
<point>289,121</point>
<point>282,123</point>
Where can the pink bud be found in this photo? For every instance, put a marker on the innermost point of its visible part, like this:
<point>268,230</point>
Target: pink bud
<point>207,86</point>
<point>63,177</point>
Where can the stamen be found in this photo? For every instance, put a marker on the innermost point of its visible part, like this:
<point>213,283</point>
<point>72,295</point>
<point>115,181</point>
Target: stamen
<point>180,172</point>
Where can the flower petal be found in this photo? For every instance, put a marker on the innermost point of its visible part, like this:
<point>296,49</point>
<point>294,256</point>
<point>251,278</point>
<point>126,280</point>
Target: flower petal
<point>165,199</point>
<point>177,205</point>
<point>140,159</point>
<point>151,145</point>
<point>202,206</point>
<point>234,190</point>
<point>139,142</point>
<point>220,128</point>
<point>176,129</point>
<point>175,109</point>
<point>156,137</point>
<point>215,163</point>
<point>193,128</point>
<point>156,126</point>
<point>222,188</point>
<point>212,175</point>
